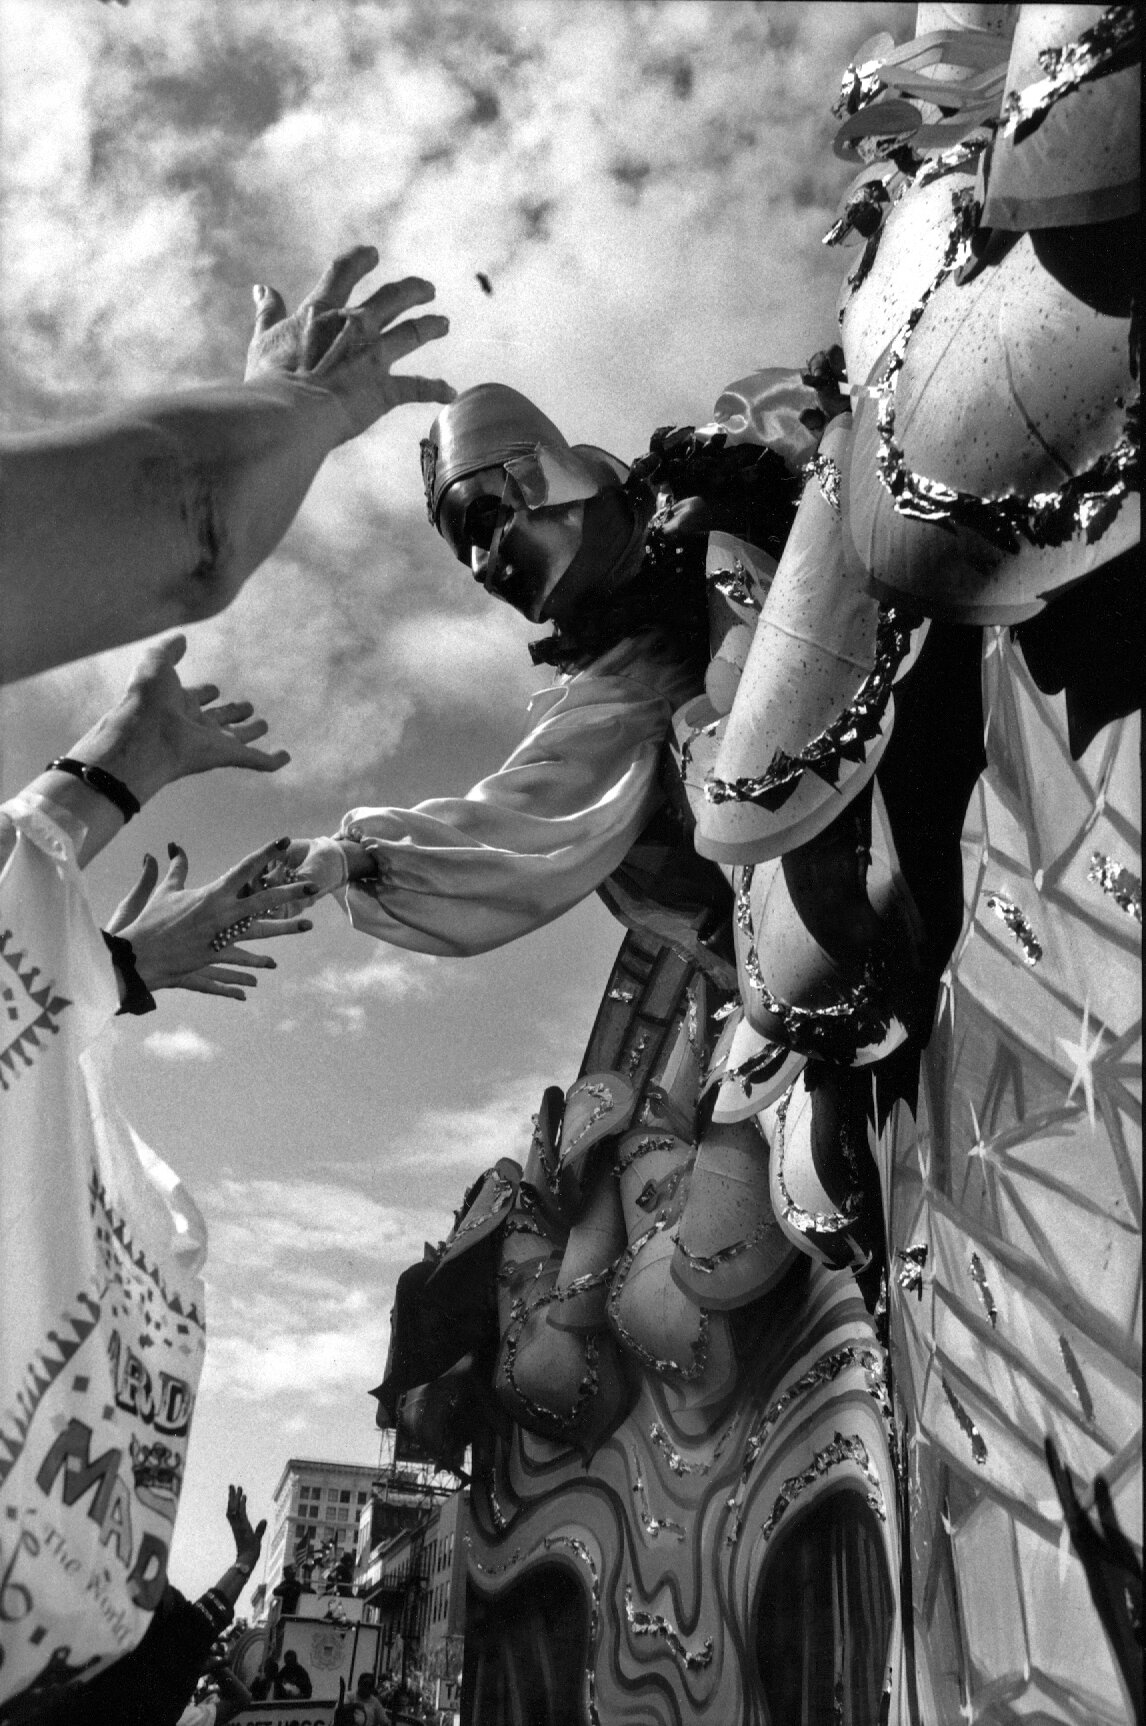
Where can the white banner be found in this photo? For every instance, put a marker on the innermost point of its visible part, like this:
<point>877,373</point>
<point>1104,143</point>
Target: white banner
<point>101,1301</point>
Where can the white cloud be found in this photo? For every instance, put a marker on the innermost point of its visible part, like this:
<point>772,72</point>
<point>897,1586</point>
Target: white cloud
<point>181,1044</point>
<point>474,1138</point>
<point>301,1277</point>
<point>385,976</point>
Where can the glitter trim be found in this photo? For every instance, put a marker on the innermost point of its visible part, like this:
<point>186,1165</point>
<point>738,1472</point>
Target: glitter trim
<point>1087,501</point>
<point>497,1514</point>
<point>1013,916</point>
<point>979,1278</point>
<point>734,584</point>
<point>910,1275</point>
<point>655,1624</point>
<point>844,739</point>
<point>978,1444</point>
<point>604,1102</point>
<point>1110,43</point>
<point>643,1148</point>
<point>625,996</point>
<point>862,214</point>
<point>503,1191</point>
<point>859,85</point>
<point>834,1033</point>
<point>652,1362</point>
<point>633,1059</point>
<point>672,1456</point>
<point>823,1371</point>
<point>1078,1383</point>
<point>841,1450</point>
<point>1117,883</point>
<point>652,1525</point>
<point>825,470</point>
<point>765,1064</point>
<point>491,1569</point>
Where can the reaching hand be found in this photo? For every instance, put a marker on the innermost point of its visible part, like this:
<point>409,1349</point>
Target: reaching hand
<point>347,350</point>
<point>178,935</point>
<point>248,1540</point>
<point>318,864</point>
<point>159,731</point>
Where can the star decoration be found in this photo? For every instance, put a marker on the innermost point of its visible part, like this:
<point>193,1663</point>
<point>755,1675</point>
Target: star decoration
<point>1083,1054</point>
<point>980,1148</point>
<point>947,995</point>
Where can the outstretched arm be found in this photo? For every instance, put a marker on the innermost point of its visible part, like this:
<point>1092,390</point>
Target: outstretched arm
<point>155,515</point>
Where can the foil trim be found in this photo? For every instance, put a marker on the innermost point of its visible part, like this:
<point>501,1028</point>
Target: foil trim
<point>652,1525</point>
<point>910,1275</point>
<point>1111,42</point>
<point>825,470</point>
<point>625,996</point>
<point>763,1065</point>
<point>655,1624</point>
<point>841,1450</point>
<point>862,214</point>
<point>979,1278</point>
<point>1016,921</point>
<point>735,584</point>
<point>547,1419</point>
<point>652,1362</point>
<point>1118,883</point>
<point>823,1371</point>
<point>859,85</point>
<point>636,1053</point>
<point>497,1514</point>
<point>835,1033</point>
<point>503,1190</point>
<point>1078,1383</point>
<point>1086,503</point>
<point>644,1147</point>
<point>977,1441</point>
<point>676,1462</point>
<point>604,1101</point>
<point>491,1569</point>
<point>845,739</point>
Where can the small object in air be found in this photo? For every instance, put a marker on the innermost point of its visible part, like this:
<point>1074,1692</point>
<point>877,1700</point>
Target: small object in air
<point>484,282</point>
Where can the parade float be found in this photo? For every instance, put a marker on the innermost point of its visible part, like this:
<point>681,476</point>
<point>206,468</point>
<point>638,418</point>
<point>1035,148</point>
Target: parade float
<point>800,1362</point>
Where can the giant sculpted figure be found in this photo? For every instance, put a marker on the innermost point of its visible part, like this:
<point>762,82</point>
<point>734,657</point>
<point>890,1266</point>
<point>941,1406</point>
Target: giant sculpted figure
<point>799,1361</point>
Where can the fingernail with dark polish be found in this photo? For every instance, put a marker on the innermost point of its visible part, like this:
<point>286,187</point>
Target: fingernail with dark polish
<point>173,850</point>
<point>281,844</point>
<point>306,924</point>
<point>310,890</point>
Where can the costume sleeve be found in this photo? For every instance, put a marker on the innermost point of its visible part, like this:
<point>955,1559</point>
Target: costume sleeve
<point>459,875</point>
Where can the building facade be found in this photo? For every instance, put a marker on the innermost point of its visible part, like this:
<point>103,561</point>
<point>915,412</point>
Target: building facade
<point>316,1504</point>
<point>411,1573</point>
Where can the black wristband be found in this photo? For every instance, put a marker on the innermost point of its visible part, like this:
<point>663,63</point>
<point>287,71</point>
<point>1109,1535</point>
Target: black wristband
<point>137,997</point>
<point>99,779</point>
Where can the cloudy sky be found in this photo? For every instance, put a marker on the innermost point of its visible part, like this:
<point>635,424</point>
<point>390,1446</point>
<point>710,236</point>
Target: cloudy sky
<point>645,186</point>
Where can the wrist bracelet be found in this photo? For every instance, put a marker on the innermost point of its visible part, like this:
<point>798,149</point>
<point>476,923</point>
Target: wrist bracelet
<point>137,997</point>
<point>99,779</point>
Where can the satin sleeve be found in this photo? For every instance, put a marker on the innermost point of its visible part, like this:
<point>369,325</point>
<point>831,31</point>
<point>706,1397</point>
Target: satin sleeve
<point>460,875</point>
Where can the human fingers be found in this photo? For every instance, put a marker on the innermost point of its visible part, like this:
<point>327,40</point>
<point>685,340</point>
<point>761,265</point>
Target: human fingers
<point>176,877</point>
<point>266,929</point>
<point>270,308</point>
<point>257,760</point>
<point>204,982</point>
<point>239,955</point>
<point>416,389</point>
<point>293,893</point>
<point>246,733</point>
<point>391,300</point>
<point>132,903</point>
<point>234,1494</point>
<point>247,870</point>
<point>163,656</point>
<point>202,693</point>
<point>227,974</point>
<point>395,344</point>
<point>230,712</point>
<point>339,277</point>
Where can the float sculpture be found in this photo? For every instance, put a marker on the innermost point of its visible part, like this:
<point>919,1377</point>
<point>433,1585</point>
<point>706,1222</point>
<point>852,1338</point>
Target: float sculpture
<point>800,1362</point>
